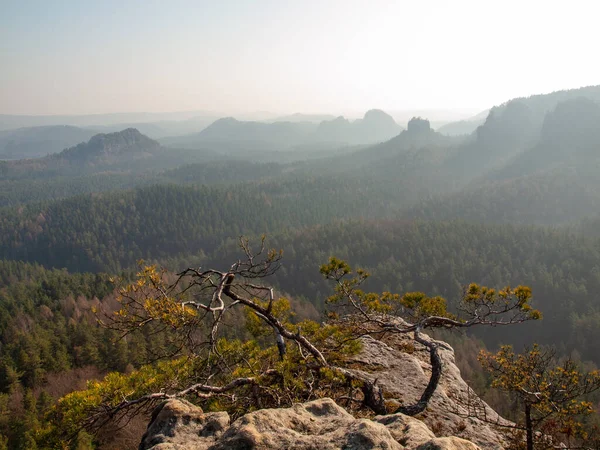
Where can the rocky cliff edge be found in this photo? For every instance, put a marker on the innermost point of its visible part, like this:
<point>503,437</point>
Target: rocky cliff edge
<point>401,369</point>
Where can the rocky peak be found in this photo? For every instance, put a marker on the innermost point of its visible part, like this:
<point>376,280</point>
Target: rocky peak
<point>418,125</point>
<point>127,136</point>
<point>323,424</point>
<point>377,115</point>
<point>375,126</point>
<point>106,146</point>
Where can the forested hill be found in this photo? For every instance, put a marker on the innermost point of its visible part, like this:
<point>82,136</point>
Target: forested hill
<point>233,130</point>
<point>234,136</point>
<point>570,137</point>
<point>110,231</point>
<point>126,151</point>
<point>105,148</point>
<point>561,267</point>
<point>215,172</point>
<point>554,180</point>
<point>418,139</point>
<point>186,226</point>
<point>541,104</point>
<point>517,126</point>
<point>102,150</point>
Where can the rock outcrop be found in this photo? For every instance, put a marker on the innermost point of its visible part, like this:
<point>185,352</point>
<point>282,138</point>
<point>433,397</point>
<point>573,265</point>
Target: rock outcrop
<point>320,424</point>
<point>401,370</point>
<point>448,443</point>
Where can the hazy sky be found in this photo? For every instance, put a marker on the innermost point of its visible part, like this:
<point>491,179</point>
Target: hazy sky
<point>74,57</point>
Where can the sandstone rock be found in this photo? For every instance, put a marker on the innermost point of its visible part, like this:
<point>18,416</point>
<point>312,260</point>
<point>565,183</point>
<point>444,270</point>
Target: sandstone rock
<point>402,370</point>
<point>448,443</point>
<point>320,424</point>
<point>407,430</point>
<point>316,425</point>
<point>178,425</point>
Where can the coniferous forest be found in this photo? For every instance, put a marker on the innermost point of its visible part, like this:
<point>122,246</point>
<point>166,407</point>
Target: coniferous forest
<point>514,202</point>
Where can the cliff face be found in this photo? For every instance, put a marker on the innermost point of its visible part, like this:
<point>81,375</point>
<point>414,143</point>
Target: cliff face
<point>401,370</point>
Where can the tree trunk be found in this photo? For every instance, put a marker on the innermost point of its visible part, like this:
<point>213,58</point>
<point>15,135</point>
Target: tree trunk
<point>373,397</point>
<point>436,373</point>
<point>529,426</point>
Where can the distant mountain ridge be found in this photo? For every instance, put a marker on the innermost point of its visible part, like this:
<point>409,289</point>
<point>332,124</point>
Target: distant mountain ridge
<point>525,165</point>
<point>540,104</point>
<point>569,137</point>
<point>514,127</point>
<point>229,128</point>
<point>34,142</point>
<point>527,150</point>
<point>418,136</point>
<point>376,126</point>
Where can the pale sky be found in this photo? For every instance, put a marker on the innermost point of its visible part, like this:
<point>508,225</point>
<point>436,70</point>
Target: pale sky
<point>83,57</point>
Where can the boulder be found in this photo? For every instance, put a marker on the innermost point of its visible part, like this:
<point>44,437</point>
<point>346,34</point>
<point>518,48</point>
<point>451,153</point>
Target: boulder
<point>448,443</point>
<point>407,430</point>
<point>179,425</point>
